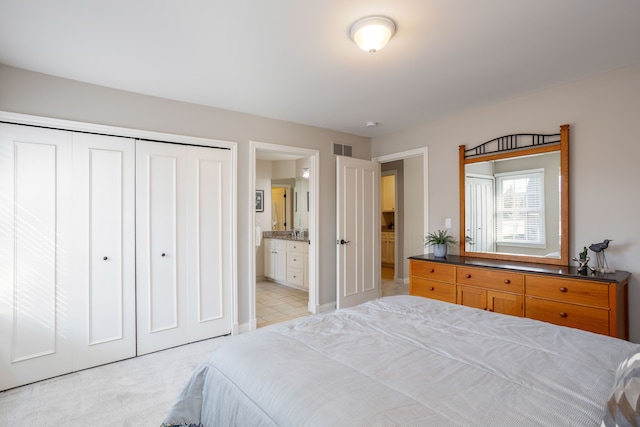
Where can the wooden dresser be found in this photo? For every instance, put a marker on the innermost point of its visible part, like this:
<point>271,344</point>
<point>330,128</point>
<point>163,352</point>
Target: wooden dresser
<point>554,294</point>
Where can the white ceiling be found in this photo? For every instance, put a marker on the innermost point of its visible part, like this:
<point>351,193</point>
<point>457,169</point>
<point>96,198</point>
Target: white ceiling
<point>293,59</point>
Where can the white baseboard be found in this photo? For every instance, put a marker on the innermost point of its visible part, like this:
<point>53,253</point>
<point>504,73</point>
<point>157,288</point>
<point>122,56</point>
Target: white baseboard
<point>326,307</point>
<point>248,327</point>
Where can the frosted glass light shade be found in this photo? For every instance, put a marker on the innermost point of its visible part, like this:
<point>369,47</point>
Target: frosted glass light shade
<point>372,33</point>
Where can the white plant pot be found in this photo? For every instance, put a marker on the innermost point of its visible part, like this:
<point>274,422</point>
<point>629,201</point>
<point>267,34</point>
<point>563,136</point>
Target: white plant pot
<point>440,250</point>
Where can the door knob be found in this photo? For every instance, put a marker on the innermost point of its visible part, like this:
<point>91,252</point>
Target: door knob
<point>105,258</point>
<point>344,242</point>
<point>163,254</point>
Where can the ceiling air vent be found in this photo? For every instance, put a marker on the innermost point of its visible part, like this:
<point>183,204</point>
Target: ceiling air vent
<point>342,150</point>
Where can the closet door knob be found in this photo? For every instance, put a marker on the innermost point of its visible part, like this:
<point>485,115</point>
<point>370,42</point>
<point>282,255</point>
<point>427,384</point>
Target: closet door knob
<point>163,254</point>
<point>105,258</point>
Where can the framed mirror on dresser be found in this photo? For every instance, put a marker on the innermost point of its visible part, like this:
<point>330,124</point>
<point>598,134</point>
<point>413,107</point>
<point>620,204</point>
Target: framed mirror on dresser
<point>514,198</point>
<point>514,234</point>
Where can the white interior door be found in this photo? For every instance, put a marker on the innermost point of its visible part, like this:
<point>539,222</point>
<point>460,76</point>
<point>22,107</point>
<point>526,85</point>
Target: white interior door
<point>358,231</point>
<point>104,266</point>
<point>209,190</point>
<point>161,249</point>
<point>35,256</point>
<point>481,225</point>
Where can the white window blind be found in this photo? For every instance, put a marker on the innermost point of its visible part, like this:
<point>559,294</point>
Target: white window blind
<point>520,208</point>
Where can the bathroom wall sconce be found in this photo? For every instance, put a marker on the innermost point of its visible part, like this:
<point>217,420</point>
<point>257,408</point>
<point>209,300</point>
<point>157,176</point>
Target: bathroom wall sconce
<point>372,33</point>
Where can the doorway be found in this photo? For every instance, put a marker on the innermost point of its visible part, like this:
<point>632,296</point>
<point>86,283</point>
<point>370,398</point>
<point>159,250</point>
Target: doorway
<point>391,221</point>
<point>410,219</point>
<point>281,219</point>
<point>280,207</point>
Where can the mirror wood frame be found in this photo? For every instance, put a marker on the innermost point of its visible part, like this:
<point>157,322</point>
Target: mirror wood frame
<point>563,147</point>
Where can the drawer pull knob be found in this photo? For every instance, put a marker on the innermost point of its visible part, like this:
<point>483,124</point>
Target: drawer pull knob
<point>563,314</point>
<point>507,281</point>
<point>563,289</point>
<point>431,288</point>
<point>468,276</point>
<point>431,270</point>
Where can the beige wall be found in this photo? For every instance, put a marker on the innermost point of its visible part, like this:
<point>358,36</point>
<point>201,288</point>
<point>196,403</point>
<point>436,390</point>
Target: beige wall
<point>42,95</point>
<point>604,114</point>
<point>413,210</point>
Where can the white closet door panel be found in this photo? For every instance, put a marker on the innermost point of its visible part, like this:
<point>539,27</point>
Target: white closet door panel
<point>35,201</point>
<point>209,199</point>
<point>105,220</point>
<point>105,288</point>
<point>161,246</point>
<point>163,222</point>
<point>35,249</point>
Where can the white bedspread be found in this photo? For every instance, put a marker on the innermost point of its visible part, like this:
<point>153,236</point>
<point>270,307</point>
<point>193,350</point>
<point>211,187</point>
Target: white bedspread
<point>405,361</point>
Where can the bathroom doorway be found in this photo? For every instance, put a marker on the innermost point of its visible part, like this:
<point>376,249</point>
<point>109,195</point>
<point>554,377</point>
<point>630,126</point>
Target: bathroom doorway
<point>288,220</point>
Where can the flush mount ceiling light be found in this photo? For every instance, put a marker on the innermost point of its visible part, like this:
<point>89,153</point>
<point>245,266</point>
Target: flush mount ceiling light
<point>372,33</point>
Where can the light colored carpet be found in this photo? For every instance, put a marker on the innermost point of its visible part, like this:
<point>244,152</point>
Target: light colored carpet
<point>135,392</point>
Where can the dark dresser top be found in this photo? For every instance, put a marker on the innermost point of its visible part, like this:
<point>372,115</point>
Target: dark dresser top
<point>526,267</point>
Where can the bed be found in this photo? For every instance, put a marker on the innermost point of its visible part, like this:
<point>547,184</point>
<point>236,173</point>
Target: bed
<point>406,360</point>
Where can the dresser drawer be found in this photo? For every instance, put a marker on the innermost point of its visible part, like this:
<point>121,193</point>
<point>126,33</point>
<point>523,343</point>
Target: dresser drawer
<point>491,279</point>
<point>295,260</point>
<point>296,246</point>
<point>571,315</point>
<point>433,271</point>
<point>295,276</point>
<point>433,289</point>
<point>567,290</point>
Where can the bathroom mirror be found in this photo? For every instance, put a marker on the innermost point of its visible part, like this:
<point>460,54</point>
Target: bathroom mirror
<point>514,198</point>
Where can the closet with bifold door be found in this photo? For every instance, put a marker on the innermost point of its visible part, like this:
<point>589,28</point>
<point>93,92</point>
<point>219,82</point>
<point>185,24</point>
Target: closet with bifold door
<point>110,247</point>
<point>183,195</point>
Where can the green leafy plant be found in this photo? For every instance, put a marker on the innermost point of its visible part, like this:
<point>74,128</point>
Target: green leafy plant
<point>583,254</point>
<point>439,237</point>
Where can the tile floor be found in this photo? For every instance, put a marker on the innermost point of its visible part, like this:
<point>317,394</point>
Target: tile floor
<point>277,303</point>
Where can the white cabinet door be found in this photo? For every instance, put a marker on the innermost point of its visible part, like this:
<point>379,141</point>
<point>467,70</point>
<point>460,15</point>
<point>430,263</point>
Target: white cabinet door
<point>209,190</point>
<point>305,271</point>
<point>388,248</point>
<point>280,260</point>
<point>268,258</point>
<point>103,294</point>
<point>35,254</point>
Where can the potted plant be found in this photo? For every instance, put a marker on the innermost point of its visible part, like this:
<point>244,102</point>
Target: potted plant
<point>440,240</point>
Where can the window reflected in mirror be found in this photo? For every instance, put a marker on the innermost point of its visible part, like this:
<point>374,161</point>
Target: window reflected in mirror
<point>513,205</point>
